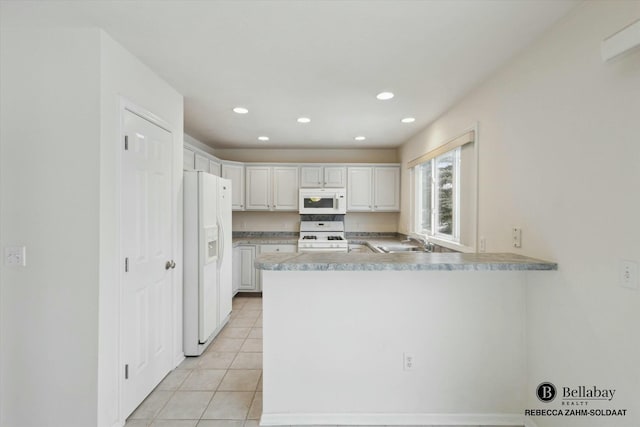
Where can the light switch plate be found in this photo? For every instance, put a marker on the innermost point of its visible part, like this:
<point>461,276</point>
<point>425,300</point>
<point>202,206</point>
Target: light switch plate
<point>629,274</point>
<point>516,233</point>
<point>15,256</point>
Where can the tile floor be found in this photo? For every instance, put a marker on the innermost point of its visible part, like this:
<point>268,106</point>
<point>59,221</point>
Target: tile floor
<point>221,388</point>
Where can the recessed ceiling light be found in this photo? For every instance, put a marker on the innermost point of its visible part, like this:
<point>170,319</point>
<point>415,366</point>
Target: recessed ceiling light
<point>240,110</point>
<point>360,138</point>
<point>408,120</point>
<point>304,119</point>
<point>263,138</point>
<point>383,96</point>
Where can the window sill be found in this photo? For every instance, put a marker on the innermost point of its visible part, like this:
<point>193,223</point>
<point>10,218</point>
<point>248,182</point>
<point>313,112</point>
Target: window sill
<point>447,244</point>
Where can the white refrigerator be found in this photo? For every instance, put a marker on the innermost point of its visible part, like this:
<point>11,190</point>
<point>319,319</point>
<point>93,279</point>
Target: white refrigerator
<point>207,282</point>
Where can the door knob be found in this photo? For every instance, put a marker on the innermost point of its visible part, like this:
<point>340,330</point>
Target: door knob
<point>167,265</point>
<point>173,264</point>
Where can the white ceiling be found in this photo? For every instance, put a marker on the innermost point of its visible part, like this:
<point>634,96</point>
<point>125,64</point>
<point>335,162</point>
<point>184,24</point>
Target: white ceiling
<point>322,59</point>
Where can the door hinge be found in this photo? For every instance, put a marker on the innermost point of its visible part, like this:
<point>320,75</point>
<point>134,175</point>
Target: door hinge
<point>126,265</point>
<point>126,142</point>
<point>126,372</point>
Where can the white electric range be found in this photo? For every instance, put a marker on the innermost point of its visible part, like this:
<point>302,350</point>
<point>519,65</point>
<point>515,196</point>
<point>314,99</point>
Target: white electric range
<point>322,236</point>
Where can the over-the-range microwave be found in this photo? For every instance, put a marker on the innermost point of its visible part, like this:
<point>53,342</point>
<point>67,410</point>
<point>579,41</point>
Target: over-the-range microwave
<point>323,201</point>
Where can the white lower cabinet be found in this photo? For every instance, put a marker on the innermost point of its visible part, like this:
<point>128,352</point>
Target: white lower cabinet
<point>248,277</point>
<point>286,248</point>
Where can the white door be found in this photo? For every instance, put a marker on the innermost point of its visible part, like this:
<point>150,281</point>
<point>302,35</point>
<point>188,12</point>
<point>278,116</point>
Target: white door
<point>311,176</point>
<point>359,189</point>
<point>235,173</point>
<point>214,168</point>
<point>258,187</point>
<point>210,254</point>
<point>146,218</point>
<point>225,264</point>
<point>285,188</point>
<point>201,163</point>
<point>188,159</point>
<point>386,184</point>
<point>335,177</point>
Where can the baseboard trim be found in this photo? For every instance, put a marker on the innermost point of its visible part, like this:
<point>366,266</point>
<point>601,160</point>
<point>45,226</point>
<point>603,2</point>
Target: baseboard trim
<point>528,422</point>
<point>276,419</point>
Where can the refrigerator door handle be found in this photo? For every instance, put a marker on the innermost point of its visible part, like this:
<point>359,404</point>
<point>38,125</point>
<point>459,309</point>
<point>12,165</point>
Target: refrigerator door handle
<point>220,241</point>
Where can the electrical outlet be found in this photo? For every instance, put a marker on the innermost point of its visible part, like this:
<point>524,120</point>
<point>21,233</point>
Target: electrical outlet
<point>15,256</point>
<point>629,274</point>
<point>517,237</point>
<point>409,361</point>
<point>483,244</point>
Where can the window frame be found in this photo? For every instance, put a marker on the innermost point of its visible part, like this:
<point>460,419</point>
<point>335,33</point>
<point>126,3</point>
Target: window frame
<point>434,180</point>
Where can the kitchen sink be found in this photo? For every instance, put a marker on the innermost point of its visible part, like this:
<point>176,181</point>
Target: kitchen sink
<point>400,249</point>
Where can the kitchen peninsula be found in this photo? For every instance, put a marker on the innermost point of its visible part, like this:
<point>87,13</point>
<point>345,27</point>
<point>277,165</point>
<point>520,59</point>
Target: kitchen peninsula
<point>395,339</point>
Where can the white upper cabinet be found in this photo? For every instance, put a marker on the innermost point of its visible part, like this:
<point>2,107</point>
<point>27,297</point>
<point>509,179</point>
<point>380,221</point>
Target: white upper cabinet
<point>272,188</point>
<point>235,173</point>
<point>335,177</point>
<point>188,159</point>
<point>323,176</point>
<point>386,188</point>
<point>360,189</point>
<point>214,168</point>
<point>311,176</point>
<point>258,193</point>
<point>202,163</point>
<point>285,188</point>
<point>373,188</point>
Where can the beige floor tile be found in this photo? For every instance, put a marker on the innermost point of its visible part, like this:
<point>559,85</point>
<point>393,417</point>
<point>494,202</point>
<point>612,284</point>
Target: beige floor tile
<point>255,411</point>
<point>260,383</point>
<point>137,423</point>
<point>240,380</point>
<point>220,423</point>
<point>252,345</point>
<point>255,333</point>
<point>247,361</point>
<point>248,314</point>
<point>151,405</point>
<point>226,344</point>
<point>228,332</point>
<point>189,362</point>
<point>241,322</point>
<point>229,405</point>
<point>216,360</point>
<point>173,380</point>
<point>252,423</point>
<point>186,405</point>
<point>174,423</point>
<point>258,323</point>
<point>203,380</point>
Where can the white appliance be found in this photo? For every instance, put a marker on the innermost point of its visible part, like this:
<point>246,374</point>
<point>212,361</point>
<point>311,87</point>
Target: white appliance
<point>323,201</point>
<point>322,236</point>
<point>207,284</point>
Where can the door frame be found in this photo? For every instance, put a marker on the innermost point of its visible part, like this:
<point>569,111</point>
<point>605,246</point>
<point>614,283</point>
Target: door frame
<point>175,301</point>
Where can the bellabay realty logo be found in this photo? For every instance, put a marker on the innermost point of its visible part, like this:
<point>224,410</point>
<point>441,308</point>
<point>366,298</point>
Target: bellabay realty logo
<point>571,397</point>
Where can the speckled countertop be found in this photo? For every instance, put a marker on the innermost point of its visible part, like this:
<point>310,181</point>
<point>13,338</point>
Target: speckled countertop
<point>324,261</point>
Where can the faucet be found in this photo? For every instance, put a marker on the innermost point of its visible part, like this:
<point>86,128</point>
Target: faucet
<point>422,241</point>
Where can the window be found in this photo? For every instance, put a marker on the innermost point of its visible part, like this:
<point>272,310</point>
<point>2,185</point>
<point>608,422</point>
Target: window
<point>438,196</point>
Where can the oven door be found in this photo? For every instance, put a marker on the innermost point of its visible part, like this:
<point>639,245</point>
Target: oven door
<point>322,202</point>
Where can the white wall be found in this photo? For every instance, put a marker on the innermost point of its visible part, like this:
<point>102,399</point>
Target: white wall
<point>341,360</point>
<point>123,76</point>
<point>61,94</point>
<point>559,156</point>
<point>50,188</point>
<point>290,221</point>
